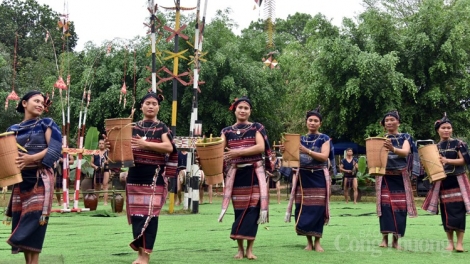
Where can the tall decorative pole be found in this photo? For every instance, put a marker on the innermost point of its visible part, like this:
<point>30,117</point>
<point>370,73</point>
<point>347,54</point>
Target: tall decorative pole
<point>61,85</point>
<point>153,9</point>
<point>174,105</point>
<point>269,13</point>
<point>195,180</point>
<point>175,55</point>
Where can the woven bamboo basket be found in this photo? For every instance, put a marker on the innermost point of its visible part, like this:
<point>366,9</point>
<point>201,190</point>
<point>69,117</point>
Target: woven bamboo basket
<point>211,156</point>
<point>429,156</point>
<point>9,173</point>
<point>291,154</point>
<point>376,155</point>
<point>119,133</point>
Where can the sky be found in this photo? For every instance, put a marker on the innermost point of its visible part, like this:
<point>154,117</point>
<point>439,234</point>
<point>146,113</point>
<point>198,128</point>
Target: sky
<point>100,21</point>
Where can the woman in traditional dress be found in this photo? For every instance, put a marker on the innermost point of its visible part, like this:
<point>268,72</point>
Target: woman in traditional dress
<point>394,195</point>
<point>31,200</point>
<point>348,165</point>
<point>453,193</point>
<point>311,183</point>
<point>246,179</point>
<point>155,159</point>
<point>101,174</point>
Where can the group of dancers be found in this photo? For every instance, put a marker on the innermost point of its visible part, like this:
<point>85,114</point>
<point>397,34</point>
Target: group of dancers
<point>247,152</point>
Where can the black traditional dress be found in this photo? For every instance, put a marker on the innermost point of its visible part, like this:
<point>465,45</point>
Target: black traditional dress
<point>452,193</point>
<point>146,187</point>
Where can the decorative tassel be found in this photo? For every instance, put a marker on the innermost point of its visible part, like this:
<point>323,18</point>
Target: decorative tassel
<point>7,220</point>
<point>60,84</point>
<point>287,217</point>
<point>123,93</point>
<point>263,217</point>
<point>6,104</point>
<point>42,220</point>
<point>221,216</point>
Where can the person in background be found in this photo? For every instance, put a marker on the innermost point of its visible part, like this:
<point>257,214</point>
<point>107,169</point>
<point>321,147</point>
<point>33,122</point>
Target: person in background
<point>181,172</point>
<point>58,173</point>
<point>272,176</point>
<point>100,165</point>
<point>202,184</point>
<point>349,166</point>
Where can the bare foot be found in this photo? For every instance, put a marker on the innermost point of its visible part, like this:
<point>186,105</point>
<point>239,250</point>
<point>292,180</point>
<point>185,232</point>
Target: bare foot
<point>384,243</point>
<point>318,248</point>
<point>459,248</point>
<point>177,203</point>
<point>450,247</point>
<point>396,246</point>
<point>105,204</point>
<point>141,260</point>
<point>239,255</point>
<point>355,202</point>
<point>250,256</point>
<point>137,261</point>
<point>309,247</point>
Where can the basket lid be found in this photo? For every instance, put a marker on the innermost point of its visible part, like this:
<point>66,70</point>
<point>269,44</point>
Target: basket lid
<point>372,138</point>
<point>213,141</point>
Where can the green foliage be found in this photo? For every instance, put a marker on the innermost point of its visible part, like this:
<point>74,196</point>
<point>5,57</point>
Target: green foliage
<point>92,138</point>
<point>361,164</point>
<point>407,55</point>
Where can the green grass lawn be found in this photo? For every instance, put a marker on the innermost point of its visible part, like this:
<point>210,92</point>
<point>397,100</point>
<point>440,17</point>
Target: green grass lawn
<point>351,237</point>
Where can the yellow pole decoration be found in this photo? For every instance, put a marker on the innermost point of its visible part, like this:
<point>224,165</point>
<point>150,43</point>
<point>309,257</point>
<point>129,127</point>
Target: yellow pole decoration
<point>176,34</point>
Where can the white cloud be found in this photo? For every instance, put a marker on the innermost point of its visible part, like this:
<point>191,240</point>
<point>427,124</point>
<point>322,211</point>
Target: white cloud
<point>102,20</point>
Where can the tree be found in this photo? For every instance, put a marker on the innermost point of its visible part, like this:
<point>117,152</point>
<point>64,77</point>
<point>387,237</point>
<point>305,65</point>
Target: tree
<point>417,64</point>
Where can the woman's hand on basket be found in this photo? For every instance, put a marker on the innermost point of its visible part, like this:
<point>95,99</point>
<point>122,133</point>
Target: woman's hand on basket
<point>304,149</point>
<point>231,154</point>
<point>388,145</point>
<point>443,160</point>
<point>23,160</point>
<point>138,142</point>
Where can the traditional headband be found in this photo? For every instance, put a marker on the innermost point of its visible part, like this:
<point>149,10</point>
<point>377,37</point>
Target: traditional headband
<point>236,101</point>
<point>442,121</point>
<point>314,112</point>
<point>158,97</point>
<point>393,113</point>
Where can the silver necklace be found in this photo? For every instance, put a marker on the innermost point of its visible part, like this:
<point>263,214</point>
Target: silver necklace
<point>246,127</point>
<point>153,125</point>
<point>31,130</point>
